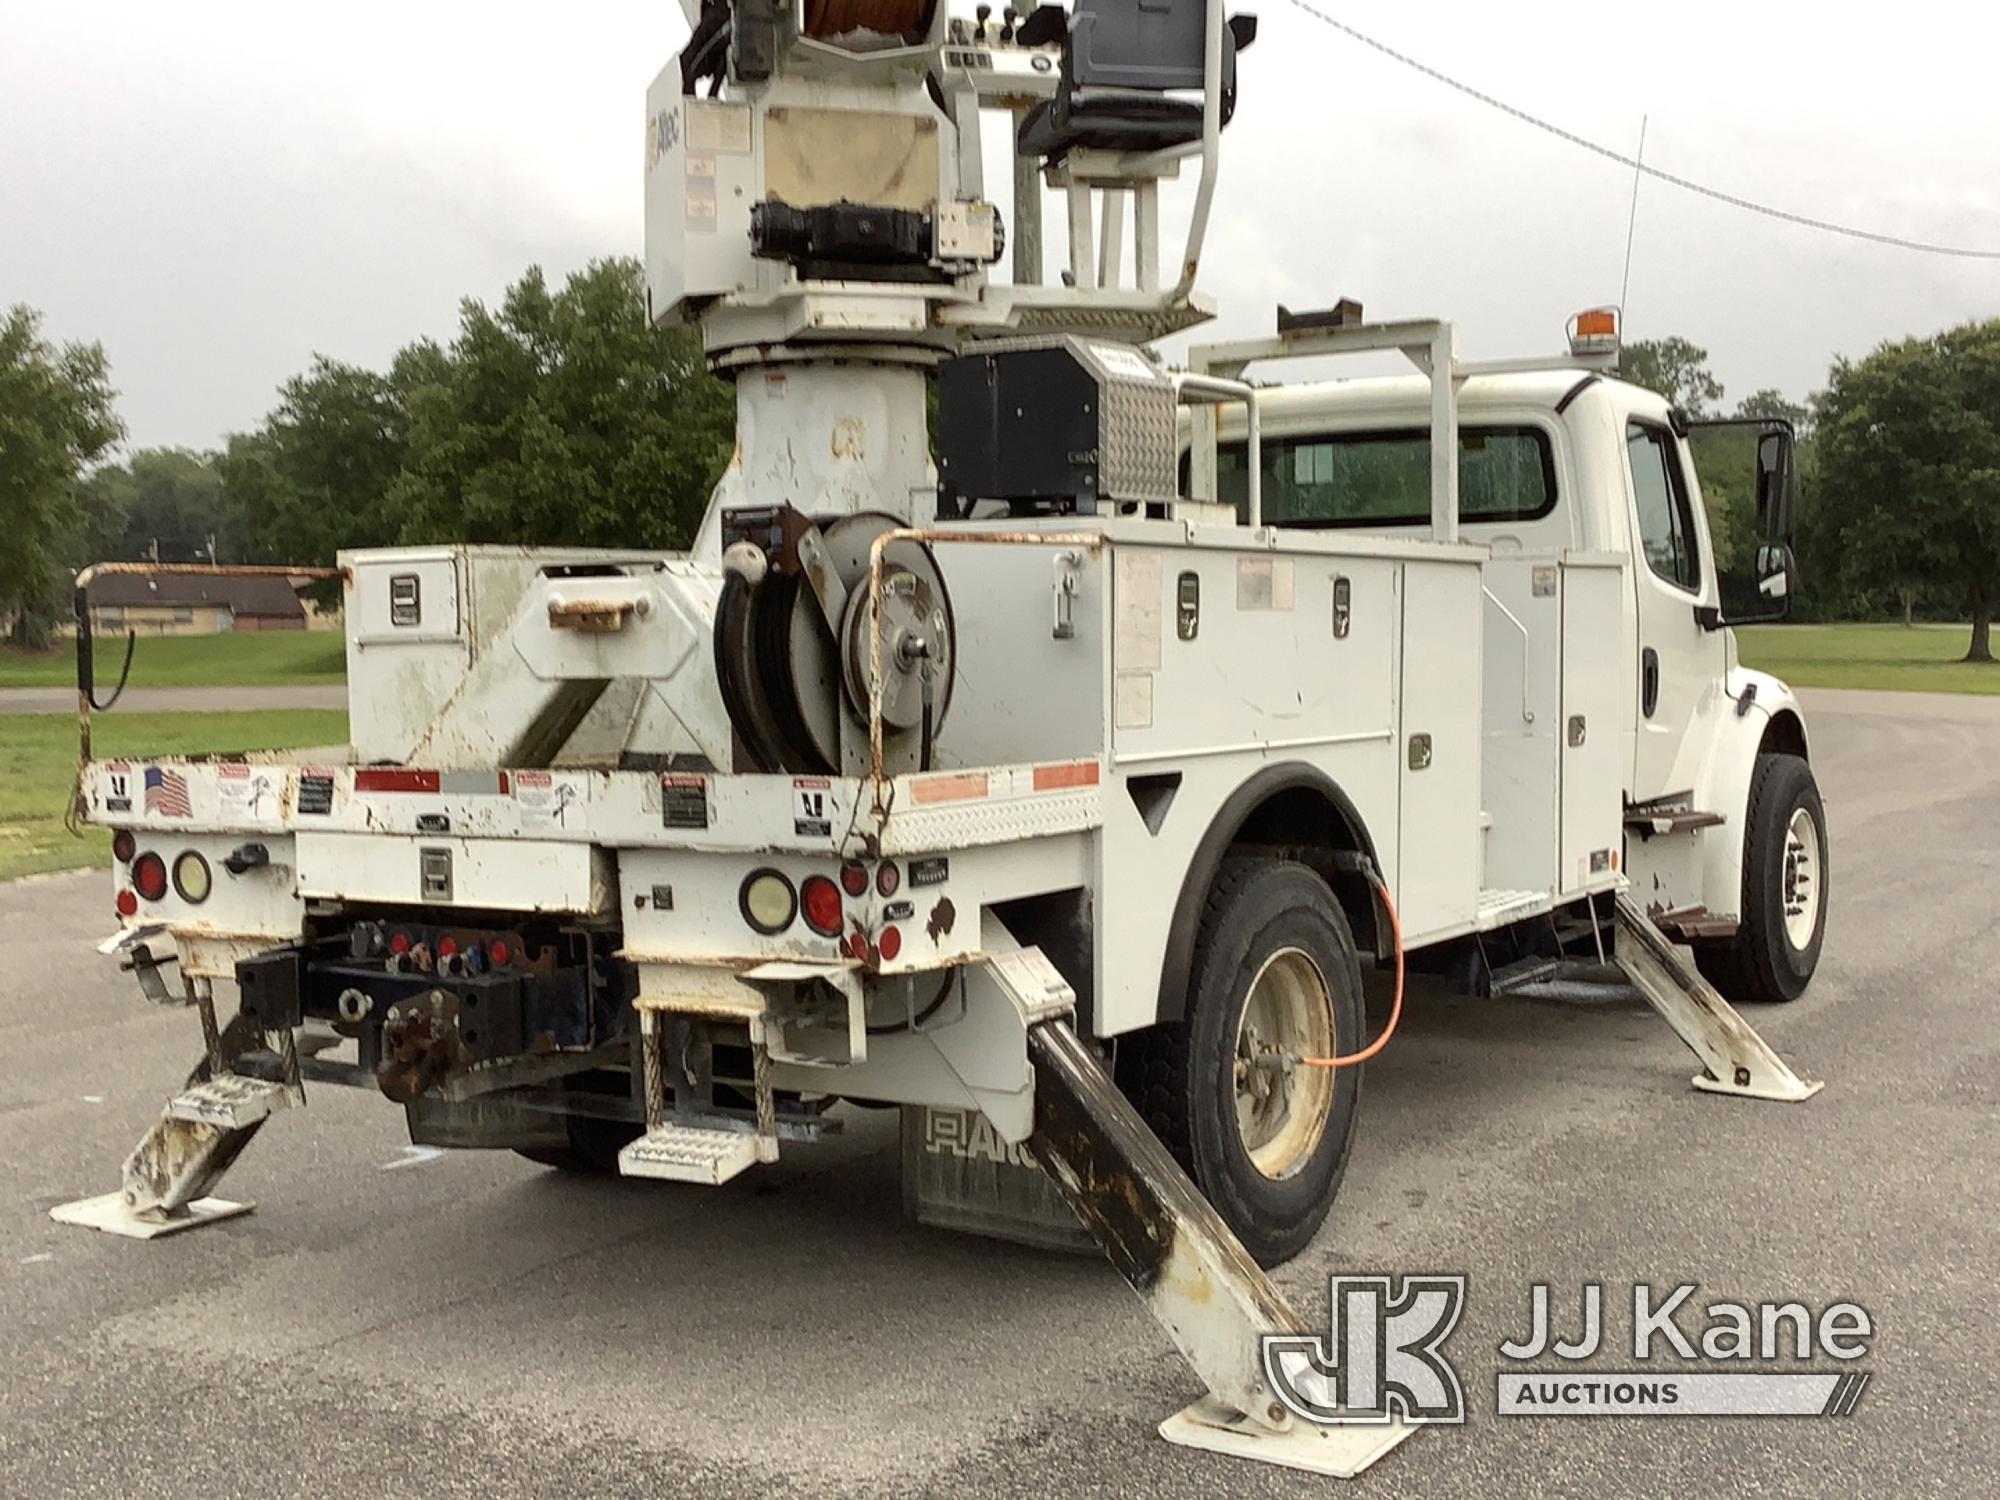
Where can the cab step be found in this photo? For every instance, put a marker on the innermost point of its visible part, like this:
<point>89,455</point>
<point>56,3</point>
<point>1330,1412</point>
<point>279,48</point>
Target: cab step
<point>228,1101</point>
<point>674,1152</point>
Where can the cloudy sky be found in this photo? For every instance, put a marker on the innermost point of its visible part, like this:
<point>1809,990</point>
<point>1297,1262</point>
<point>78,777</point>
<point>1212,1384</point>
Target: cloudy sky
<point>218,191</point>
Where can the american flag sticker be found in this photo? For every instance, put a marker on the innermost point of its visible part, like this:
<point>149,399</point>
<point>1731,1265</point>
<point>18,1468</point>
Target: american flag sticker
<point>167,793</point>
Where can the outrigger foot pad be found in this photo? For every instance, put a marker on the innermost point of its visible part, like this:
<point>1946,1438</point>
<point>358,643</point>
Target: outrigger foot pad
<point>1337,1452</point>
<point>112,1214</point>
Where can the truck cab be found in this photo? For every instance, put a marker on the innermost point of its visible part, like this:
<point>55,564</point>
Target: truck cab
<point>1573,463</point>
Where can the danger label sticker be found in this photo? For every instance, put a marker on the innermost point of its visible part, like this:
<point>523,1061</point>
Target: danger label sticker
<point>812,807</point>
<point>549,801</point>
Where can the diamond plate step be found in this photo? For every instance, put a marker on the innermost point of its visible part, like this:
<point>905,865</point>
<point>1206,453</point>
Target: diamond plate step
<point>229,1101</point>
<point>689,1153</point>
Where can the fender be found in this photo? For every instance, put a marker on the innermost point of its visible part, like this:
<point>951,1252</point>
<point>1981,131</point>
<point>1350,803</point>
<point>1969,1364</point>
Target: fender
<point>1306,784</point>
<point>1771,720</point>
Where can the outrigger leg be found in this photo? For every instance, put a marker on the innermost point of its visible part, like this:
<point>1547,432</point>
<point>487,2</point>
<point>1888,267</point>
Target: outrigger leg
<point>202,1131</point>
<point>1175,1251</point>
<point>1734,1059</point>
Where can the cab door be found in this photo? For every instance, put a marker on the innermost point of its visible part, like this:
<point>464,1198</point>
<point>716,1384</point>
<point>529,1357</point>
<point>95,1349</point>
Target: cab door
<point>1679,660</point>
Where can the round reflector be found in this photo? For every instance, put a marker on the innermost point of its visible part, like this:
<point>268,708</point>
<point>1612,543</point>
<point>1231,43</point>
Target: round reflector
<point>820,898</point>
<point>890,944</point>
<point>127,904</point>
<point>123,845</point>
<point>854,879</point>
<point>888,879</point>
<point>768,901</point>
<point>858,946</point>
<point>149,877</point>
<point>192,878</point>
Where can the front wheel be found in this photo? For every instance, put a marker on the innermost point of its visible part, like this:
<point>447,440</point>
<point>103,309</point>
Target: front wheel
<point>1275,978</point>
<point>1774,952</point>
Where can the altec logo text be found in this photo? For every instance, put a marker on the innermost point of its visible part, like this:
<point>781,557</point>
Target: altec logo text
<point>1383,1357</point>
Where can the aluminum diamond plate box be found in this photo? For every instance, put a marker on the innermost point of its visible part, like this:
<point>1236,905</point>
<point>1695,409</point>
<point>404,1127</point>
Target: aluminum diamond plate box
<point>1054,426</point>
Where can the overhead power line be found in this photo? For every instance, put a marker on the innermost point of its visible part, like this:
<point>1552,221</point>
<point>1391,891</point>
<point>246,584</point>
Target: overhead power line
<point>1549,127</point>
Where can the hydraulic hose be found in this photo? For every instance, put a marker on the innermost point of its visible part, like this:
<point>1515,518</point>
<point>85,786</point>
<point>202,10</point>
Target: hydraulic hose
<point>1395,1006</point>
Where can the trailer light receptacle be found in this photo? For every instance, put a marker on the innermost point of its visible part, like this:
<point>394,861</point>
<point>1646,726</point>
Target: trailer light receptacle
<point>768,901</point>
<point>192,878</point>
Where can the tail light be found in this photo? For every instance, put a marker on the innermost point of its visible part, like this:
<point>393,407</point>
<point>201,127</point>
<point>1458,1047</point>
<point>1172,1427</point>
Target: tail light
<point>854,878</point>
<point>888,879</point>
<point>889,944</point>
<point>123,846</point>
<point>149,876</point>
<point>819,898</point>
<point>127,904</point>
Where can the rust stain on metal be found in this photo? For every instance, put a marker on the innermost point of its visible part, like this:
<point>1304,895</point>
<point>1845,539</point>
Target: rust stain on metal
<point>420,1045</point>
<point>590,616</point>
<point>942,918</point>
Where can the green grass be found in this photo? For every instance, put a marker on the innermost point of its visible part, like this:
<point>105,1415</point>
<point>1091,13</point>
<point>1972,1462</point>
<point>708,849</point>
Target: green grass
<point>1890,658</point>
<point>251,659</point>
<point>38,765</point>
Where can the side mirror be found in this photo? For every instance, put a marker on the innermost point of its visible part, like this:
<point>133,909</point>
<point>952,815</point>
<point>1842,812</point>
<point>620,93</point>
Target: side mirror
<point>1777,573</point>
<point>1777,490</point>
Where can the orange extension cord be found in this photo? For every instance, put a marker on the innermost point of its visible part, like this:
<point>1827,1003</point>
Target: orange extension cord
<point>1395,1007</point>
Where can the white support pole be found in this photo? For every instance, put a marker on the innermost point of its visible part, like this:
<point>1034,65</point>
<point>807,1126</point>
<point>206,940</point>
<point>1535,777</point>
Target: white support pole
<point>1146,234</point>
<point>1111,253</point>
<point>1211,149</point>
<point>1082,257</point>
<point>1443,357</point>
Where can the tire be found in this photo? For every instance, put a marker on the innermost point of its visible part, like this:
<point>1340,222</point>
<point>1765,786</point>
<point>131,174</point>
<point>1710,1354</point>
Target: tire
<point>593,1146</point>
<point>1785,888</point>
<point>1273,925</point>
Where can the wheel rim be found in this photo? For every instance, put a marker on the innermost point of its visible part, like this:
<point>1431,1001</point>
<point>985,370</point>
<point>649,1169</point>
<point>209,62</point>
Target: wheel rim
<point>1281,1107</point>
<point>1803,888</point>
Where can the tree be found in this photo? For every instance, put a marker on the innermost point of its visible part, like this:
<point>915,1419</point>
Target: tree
<point>163,502</point>
<point>316,477</point>
<point>1909,466</point>
<point>1676,369</point>
<point>562,417</point>
<point>56,418</point>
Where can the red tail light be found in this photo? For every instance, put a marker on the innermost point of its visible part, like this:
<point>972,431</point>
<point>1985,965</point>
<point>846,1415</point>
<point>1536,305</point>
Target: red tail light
<point>123,846</point>
<point>888,879</point>
<point>149,877</point>
<point>854,879</point>
<point>890,944</point>
<point>127,904</point>
<point>819,901</point>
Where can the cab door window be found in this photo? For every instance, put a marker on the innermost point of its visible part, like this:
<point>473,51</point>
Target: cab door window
<point>1666,516</point>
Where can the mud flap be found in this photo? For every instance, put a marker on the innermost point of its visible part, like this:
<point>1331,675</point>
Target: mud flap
<point>1174,1250</point>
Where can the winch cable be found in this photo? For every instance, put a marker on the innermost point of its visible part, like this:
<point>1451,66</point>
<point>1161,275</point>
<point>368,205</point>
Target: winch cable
<point>1395,1006</point>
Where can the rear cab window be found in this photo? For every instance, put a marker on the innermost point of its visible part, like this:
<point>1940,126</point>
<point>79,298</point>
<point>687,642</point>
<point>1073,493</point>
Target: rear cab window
<point>1382,479</point>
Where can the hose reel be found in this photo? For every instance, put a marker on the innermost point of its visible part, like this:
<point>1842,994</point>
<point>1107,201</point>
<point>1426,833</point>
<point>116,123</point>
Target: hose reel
<point>796,640</point>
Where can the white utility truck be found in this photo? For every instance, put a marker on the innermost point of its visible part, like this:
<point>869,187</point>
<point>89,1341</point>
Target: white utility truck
<point>1057,783</point>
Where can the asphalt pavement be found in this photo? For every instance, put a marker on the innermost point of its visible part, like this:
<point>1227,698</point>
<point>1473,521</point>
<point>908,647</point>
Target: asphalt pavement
<point>386,1323</point>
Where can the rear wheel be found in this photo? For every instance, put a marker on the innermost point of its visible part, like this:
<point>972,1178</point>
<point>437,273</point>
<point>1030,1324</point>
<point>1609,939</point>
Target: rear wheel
<point>1275,977</point>
<point>1776,950</point>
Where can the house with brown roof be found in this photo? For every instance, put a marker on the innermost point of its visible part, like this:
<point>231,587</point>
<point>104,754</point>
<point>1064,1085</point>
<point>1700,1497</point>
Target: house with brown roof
<point>192,603</point>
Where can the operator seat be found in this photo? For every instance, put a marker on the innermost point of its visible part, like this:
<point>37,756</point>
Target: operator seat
<point>1120,61</point>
